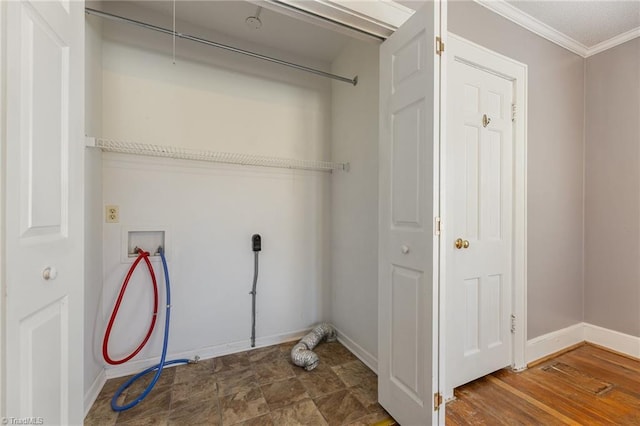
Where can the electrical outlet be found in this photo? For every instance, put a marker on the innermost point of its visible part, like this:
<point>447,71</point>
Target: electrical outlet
<point>112,214</point>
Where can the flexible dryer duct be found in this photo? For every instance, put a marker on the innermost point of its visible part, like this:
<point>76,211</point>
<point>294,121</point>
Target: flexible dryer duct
<point>302,354</point>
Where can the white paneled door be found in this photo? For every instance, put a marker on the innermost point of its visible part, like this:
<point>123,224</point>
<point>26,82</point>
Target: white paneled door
<point>479,152</point>
<point>409,202</point>
<point>43,322</point>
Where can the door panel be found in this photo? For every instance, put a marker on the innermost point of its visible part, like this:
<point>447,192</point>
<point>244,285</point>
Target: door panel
<point>44,342</point>
<point>405,332</point>
<point>406,197</point>
<point>44,213</point>
<point>409,201</point>
<point>44,100</point>
<point>479,200</point>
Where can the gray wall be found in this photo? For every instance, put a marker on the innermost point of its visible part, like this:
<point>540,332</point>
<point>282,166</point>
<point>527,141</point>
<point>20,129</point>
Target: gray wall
<point>555,153</point>
<point>612,175</point>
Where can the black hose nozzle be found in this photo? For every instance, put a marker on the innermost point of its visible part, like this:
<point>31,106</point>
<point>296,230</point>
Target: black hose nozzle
<point>256,242</point>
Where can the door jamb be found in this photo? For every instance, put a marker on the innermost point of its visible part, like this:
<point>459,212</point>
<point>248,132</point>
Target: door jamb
<point>3,109</point>
<point>488,60</point>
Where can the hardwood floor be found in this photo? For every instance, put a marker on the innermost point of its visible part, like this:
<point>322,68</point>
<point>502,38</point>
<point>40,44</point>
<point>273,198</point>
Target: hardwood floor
<point>585,386</point>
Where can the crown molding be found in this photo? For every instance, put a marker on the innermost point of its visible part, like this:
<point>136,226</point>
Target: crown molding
<point>614,41</point>
<point>376,18</point>
<point>525,20</point>
<point>512,13</point>
<point>382,17</point>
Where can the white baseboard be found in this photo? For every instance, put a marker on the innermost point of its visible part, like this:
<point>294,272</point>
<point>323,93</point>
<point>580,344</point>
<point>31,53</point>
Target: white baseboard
<point>553,342</point>
<point>94,391</point>
<point>614,340</point>
<point>204,353</point>
<point>364,356</point>
<point>556,341</point>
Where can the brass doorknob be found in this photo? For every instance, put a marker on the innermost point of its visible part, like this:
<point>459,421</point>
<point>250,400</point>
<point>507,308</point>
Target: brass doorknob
<point>460,243</point>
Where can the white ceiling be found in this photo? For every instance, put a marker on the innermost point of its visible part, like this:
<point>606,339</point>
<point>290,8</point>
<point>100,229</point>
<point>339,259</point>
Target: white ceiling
<point>589,22</point>
<point>278,31</point>
<point>585,27</point>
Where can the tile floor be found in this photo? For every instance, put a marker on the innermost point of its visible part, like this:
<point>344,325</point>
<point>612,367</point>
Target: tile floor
<point>258,387</point>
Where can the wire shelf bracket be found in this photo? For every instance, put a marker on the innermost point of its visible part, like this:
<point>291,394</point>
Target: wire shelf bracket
<point>110,145</point>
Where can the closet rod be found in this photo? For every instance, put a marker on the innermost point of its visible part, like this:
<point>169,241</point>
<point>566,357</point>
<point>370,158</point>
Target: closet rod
<point>117,18</point>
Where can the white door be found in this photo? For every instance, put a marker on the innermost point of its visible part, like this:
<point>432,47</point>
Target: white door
<point>43,243</point>
<point>478,222</point>
<point>409,202</point>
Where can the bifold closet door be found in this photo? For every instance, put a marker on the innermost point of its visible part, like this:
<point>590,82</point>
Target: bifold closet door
<point>408,326</point>
<point>43,340</point>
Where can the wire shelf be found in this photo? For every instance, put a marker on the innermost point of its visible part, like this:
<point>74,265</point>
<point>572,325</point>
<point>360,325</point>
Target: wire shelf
<point>135,148</point>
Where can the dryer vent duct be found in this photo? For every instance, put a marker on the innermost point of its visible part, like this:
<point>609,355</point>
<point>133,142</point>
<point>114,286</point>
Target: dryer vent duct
<point>302,354</point>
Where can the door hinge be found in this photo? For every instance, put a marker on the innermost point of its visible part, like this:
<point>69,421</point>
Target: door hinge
<point>437,226</point>
<point>437,401</point>
<point>513,323</point>
<point>513,112</point>
<point>439,46</point>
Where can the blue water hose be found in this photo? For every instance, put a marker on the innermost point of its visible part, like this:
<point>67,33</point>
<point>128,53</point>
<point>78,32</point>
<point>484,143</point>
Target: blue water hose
<point>158,367</point>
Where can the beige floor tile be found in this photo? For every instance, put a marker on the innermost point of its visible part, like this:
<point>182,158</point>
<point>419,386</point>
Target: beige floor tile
<point>151,419</point>
<point>202,412</point>
<point>371,419</point>
<point>272,371</point>
<point>101,413</point>
<point>166,379</point>
<point>301,413</point>
<point>265,420</point>
<point>340,407</point>
<point>242,406</point>
<point>367,393</point>
<point>285,348</point>
<point>333,353</point>
<point>284,392</point>
<point>186,373</point>
<point>234,381</point>
<point>239,361</point>
<point>155,403</point>
<point>270,353</point>
<point>320,381</point>
<point>112,385</point>
<point>202,389</point>
<point>253,388</point>
<point>354,373</point>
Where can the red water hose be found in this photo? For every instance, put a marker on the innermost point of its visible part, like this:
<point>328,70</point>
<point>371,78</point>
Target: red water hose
<point>105,343</point>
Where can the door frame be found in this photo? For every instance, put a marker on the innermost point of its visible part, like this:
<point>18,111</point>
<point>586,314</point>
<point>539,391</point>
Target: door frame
<point>487,60</point>
<point>3,115</point>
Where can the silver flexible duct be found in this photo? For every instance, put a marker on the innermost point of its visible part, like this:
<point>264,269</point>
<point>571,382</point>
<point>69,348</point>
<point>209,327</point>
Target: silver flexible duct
<point>302,354</point>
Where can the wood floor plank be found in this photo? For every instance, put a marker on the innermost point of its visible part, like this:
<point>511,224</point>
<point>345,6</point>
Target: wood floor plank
<point>547,394</point>
<point>460,412</point>
<point>577,377</point>
<point>507,407</point>
<point>549,410</point>
<point>629,363</point>
<point>610,362</point>
<point>585,386</point>
<point>623,378</point>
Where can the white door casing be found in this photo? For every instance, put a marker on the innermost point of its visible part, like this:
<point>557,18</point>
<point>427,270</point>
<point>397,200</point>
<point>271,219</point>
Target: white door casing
<point>43,243</point>
<point>479,177</point>
<point>484,203</point>
<point>408,300</point>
